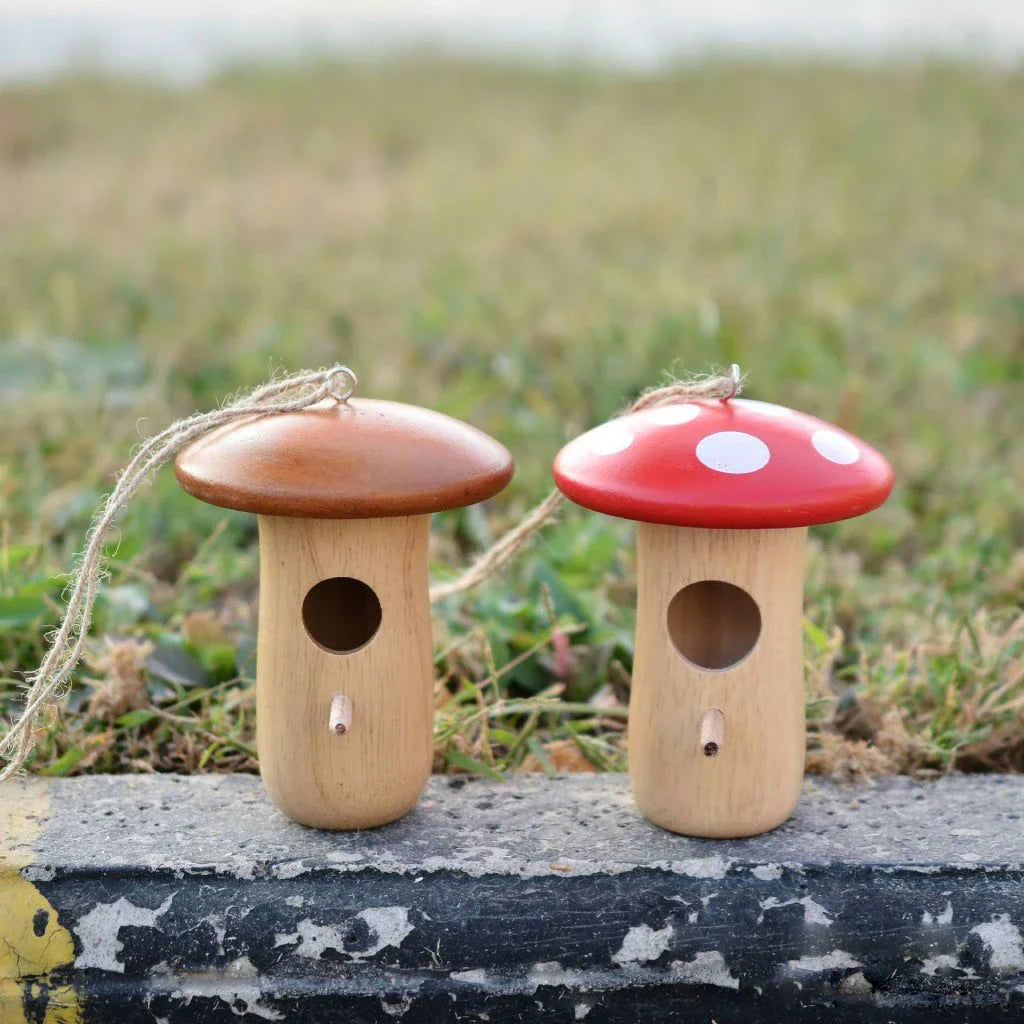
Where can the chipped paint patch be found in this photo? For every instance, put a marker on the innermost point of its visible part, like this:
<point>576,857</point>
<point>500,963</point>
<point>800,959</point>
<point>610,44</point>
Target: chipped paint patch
<point>546,969</point>
<point>706,968</point>
<point>767,872</point>
<point>716,866</point>
<point>244,994</point>
<point>289,869</point>
<point>643,943</point>
<point>551,972</point>
<point>476,976</point>
<point>34,946</point>
<point>856,985</point>
<point>814,913</point>
<point>945,962</point>
<point>98,931</point>
<point>397,1009</point>
<point>1003,941</point>
<point>237,984</point>
<point>473,862</point>
<point>946,917</point>
<point>38,872</point>
<point>702,867</point>
<point>314,939</point>
<point>934,964</point>
<point>388,926</point>
<point>837,960</point>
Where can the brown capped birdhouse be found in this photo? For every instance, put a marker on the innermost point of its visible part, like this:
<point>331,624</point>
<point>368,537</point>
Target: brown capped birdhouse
<point>345,680</point>
<point>723,492</point>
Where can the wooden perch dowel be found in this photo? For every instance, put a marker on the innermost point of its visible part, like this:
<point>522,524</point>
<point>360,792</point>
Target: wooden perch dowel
<point>712,732</point>
<point>341,714</point>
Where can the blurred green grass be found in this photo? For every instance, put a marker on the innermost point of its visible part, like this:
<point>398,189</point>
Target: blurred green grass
<point>526,250</point>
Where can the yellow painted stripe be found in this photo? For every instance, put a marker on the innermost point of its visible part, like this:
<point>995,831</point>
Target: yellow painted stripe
<point>33,943</point>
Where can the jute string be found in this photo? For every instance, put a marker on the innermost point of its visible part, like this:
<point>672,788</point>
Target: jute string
<point>289,394</point>
<point>505,550</point>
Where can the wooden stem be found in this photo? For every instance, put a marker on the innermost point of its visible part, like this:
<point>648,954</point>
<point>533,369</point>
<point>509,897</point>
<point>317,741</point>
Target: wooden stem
<point>712,731</point>
<point>733,644</point>
<point>309,657</point>
<point>341,714</point>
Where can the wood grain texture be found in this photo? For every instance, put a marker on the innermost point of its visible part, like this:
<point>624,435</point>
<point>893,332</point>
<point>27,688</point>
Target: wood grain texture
<point>753,784</point>
<point>359,459</point>
<point>376,771</point>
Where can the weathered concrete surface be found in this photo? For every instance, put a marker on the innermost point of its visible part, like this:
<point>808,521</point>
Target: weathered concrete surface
<point>195,900</point>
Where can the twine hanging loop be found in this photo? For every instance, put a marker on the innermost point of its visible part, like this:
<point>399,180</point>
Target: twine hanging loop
<point>287,394</point>
<point>504,550</point>
<point>737,381</point>
<point>342,382</point>
<point>67,643</point>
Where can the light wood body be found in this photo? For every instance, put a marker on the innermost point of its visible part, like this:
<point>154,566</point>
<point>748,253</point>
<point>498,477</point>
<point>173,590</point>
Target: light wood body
<point>376,771</point>
<point>753,784</point>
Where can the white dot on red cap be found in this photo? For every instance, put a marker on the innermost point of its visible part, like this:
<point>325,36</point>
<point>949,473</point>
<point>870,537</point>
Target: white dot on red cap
<point>674,415</point>
<point>834,447</point>
<point>768,408</point>
<point>610,439</point>
<point>733,451</point>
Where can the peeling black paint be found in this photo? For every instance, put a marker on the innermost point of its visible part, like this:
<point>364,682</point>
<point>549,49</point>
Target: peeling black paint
<point>506,928</point>
<point>719,932</point>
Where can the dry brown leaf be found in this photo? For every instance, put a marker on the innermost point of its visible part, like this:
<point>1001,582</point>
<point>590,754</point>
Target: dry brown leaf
<point>847,761</point>
<point>564,756</point>
<point>903,751</point>
<point>120,685</point>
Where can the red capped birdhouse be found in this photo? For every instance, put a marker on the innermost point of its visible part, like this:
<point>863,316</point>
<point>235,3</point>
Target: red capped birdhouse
<point>723,492</point>
<point>345,678</point>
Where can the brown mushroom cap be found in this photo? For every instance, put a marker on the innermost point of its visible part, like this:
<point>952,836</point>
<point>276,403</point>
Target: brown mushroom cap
<point>358,459</point>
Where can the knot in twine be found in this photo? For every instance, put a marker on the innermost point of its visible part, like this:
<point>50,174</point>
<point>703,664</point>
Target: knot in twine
<point>288,394</point>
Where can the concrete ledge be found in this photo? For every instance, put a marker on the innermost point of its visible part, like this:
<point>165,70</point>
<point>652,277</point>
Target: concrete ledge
<point>193,899</point>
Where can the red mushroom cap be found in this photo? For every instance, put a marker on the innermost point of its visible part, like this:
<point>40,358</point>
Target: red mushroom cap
<point>736,464</point>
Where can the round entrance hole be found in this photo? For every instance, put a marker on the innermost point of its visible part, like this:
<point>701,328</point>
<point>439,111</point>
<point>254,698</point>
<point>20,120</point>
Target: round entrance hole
<point>341,614</point>
<point>713,624</point>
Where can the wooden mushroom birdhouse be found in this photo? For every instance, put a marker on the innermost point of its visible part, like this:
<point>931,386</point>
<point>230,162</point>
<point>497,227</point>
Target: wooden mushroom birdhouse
<point>723,492</point>
<point>345,681</point>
